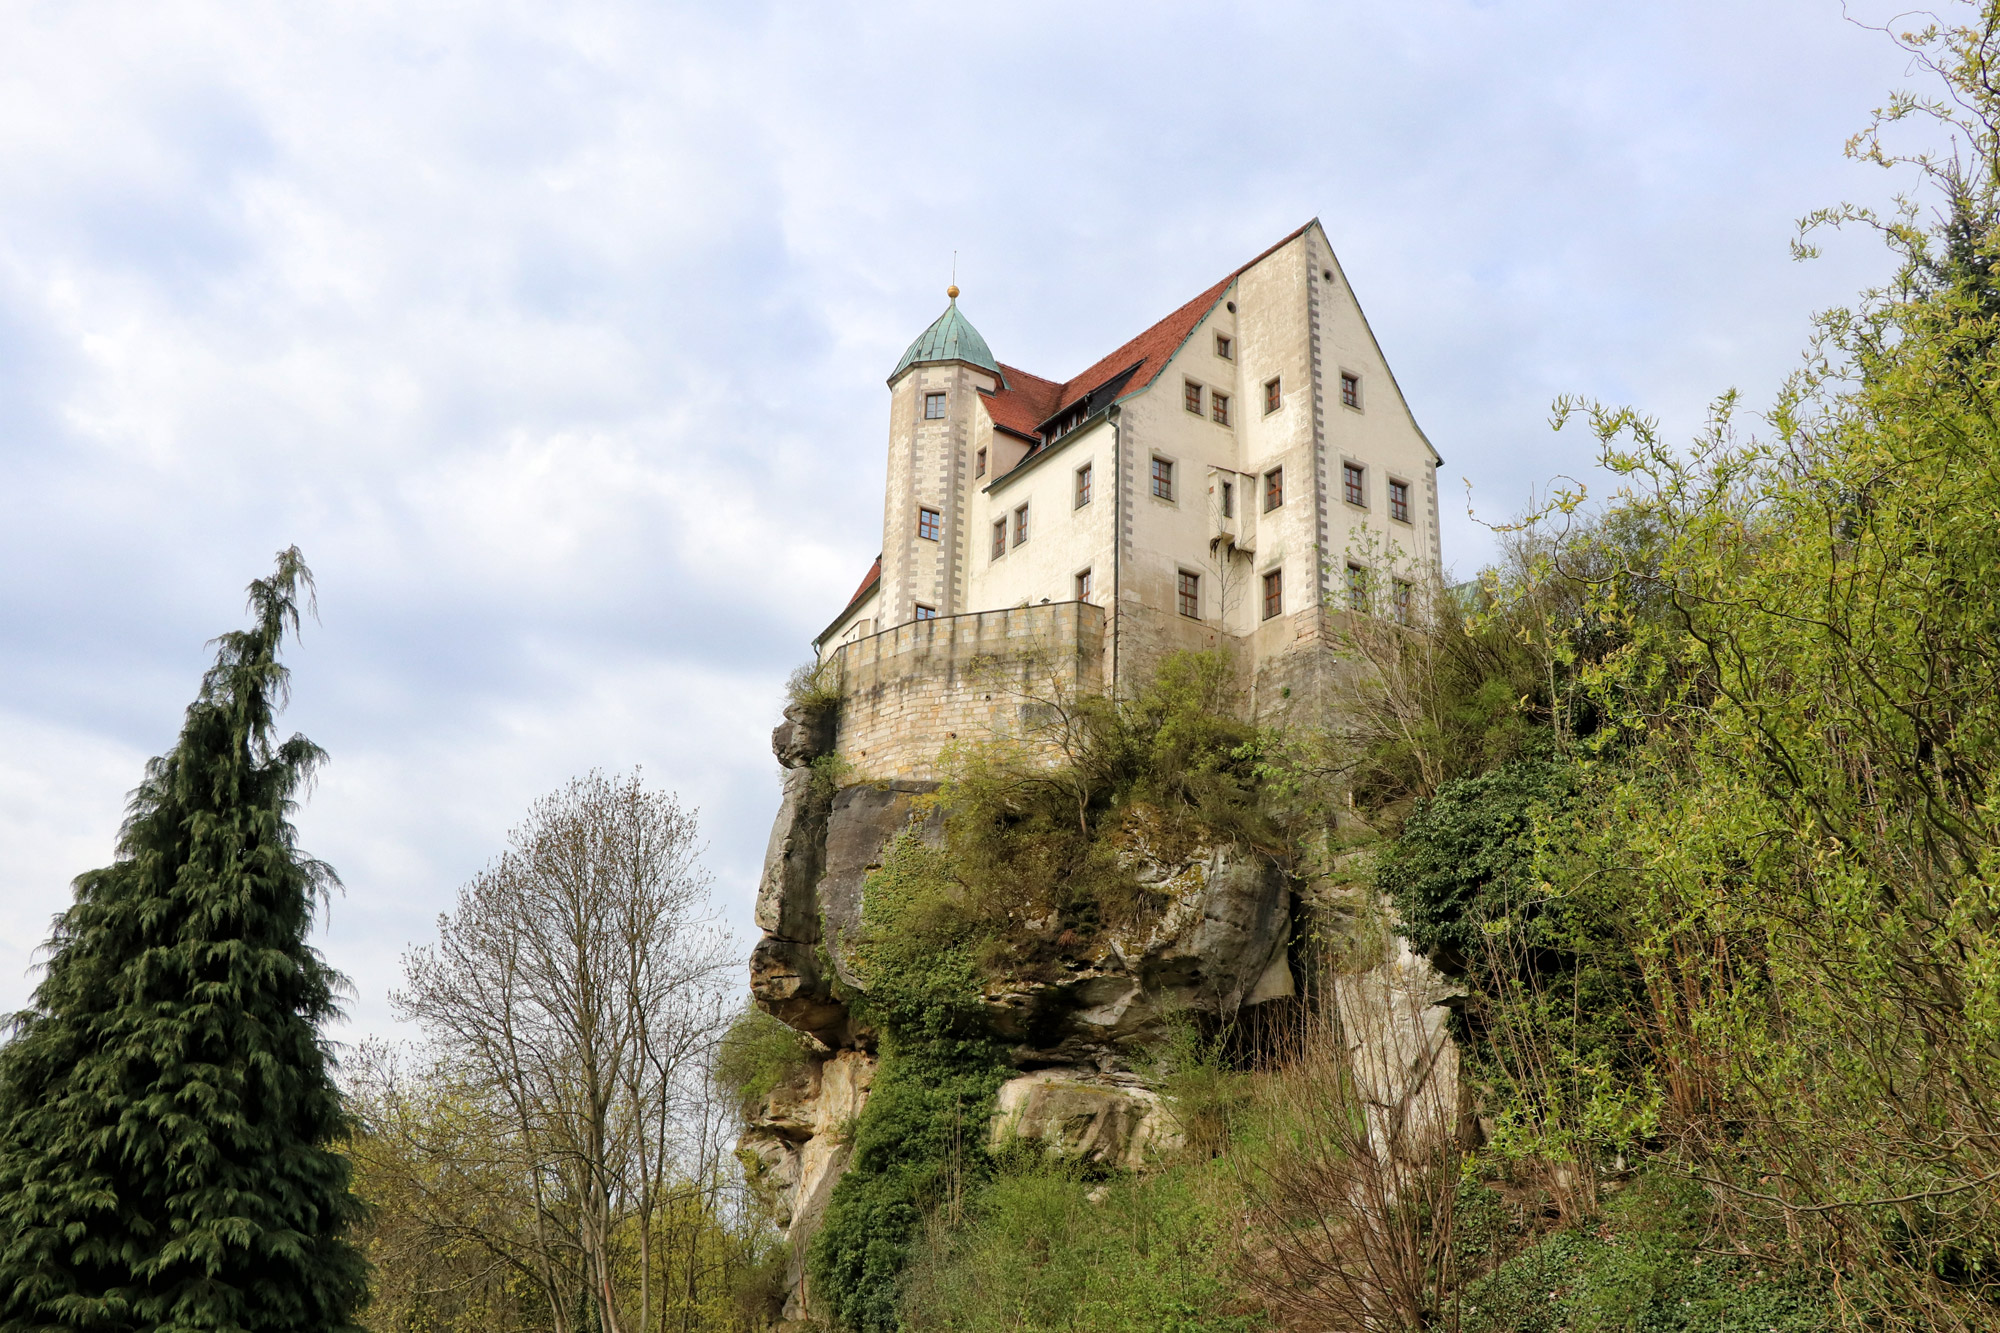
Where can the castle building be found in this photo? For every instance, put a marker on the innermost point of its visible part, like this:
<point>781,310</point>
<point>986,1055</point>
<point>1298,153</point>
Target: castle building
<point>1238,476</point>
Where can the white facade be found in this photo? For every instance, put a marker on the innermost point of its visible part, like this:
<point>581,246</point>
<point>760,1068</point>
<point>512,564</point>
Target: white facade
<point>1307,394</point>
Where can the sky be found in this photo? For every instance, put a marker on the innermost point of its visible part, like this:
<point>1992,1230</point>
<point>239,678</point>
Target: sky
<point>555,335</point>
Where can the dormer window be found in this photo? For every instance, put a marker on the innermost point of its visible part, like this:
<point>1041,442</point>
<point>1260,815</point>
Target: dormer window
<point>1225,347</point>
<point>933,407</point>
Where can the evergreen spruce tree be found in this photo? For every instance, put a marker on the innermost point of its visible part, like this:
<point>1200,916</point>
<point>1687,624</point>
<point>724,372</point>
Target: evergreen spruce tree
<point>169,1123</point>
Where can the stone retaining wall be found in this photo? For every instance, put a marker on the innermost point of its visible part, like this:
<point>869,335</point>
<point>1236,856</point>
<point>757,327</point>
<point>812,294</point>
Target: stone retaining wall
<point>908,692</point>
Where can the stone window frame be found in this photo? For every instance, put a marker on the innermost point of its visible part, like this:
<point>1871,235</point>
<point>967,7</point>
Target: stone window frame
<point>1399,504</point>
<point>1225,347</point>
<point>1187,592</point>
<point>1081,492</point>
<point>934,398</point>
<point>1354,483</point>
<point>930,524</point>
<point>1160,474</point>
<point>1083,584</point>
<point>1218,407</point>
<point>1191,395</point>
<point>1357,588</point>
<point>1274,488</point>
<point>1021,528</point>
<point>1350,391</point>
<point>1274,394</point>
<point>1274,592</point>
<point>999,538</point>
<point>926,612</point>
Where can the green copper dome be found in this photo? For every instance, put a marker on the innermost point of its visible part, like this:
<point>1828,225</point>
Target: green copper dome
<point>951,338</point>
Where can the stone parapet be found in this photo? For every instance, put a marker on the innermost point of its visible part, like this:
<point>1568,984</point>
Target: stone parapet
<point>908,692</point>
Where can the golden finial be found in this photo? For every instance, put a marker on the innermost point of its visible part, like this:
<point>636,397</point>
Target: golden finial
<point>952,291</point>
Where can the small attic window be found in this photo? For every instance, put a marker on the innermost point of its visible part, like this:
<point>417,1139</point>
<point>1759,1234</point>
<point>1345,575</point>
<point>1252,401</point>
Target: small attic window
<point>933,406</point>
<point>1191,397</point>
<point>979,469</point>
<point>1225,347</point>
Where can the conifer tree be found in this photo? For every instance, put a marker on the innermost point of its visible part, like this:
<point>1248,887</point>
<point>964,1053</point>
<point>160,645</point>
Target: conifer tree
<point>169,1122</point>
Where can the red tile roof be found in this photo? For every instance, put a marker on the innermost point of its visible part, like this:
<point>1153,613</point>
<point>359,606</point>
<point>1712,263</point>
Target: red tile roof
<point>868,583</point>
<point>1029,400</point>
<point>1024,402</point>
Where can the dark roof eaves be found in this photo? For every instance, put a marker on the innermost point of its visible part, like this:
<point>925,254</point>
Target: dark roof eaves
<point>1049,450</point>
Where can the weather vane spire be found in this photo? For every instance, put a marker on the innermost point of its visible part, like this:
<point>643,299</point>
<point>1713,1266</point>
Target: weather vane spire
<point>952,291</point>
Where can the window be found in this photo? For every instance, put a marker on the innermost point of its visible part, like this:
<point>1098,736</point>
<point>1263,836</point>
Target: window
<point>1083,486</point>
<point>999,537</point>
<point>1350,484</point>
<point>979,464</point>
<point>1190,595</point>
<point>1225,347</point>
<point>1229,499</point>
<point>1273,397</point>
<point>1218,405</point>
<point>1083,586</point>
<point>1191,397</point>
<point>1274,489</point>
<point>1163,479</point>
<point>1399,501</point>
<point>1350,390</point>
<point>926,612</point>
<point>1402,601</point>
<point>1357,588</point>
<point>933,406</point>
<point>1020,525</point>
<point>1274,593</point>
<point>927,524</point>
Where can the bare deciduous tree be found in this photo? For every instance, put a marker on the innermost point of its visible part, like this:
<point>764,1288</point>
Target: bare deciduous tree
<point>583,981</point>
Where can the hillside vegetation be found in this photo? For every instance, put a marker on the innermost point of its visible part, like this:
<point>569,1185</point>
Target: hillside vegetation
<point>1697,793</point>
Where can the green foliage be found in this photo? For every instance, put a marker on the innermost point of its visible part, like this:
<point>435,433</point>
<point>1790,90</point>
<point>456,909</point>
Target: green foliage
<point>168,1117</point>
<point>1044,1248</point>
<point>920,1141</point>
<point>1644,1271</point>
<point>813,686</point>
<point>1466,857</point>
<point>757,1054</point>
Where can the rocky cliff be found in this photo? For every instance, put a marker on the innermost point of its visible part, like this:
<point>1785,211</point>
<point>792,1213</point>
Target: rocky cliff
<point>1077,1031</point>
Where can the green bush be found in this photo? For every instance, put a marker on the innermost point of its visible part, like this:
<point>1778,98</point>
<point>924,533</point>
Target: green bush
<point>1044,1248</point>
<point>1466,856</point>
<point>757,1054</point>
<point>1644,1271</point>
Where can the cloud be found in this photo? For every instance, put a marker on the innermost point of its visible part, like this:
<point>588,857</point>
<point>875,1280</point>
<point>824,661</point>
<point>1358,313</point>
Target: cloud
<point>555,335</point>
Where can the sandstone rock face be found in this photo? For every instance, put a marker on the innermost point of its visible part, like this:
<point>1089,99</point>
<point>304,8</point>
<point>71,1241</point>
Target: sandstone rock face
<point>805,734</point>
<point>1214,938</point>
<point>863,821</point>
<point>1083,1114</point>
<point>785,972</point>
<point>1395,1020</point>
<point>796,1148</point>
